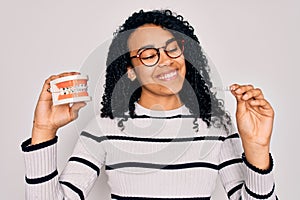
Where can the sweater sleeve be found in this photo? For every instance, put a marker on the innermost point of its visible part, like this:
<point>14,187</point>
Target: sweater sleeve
<point>240,179</point>
<point>42,180</point>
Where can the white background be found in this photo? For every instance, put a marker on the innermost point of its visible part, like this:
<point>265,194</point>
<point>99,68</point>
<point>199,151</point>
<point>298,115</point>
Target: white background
<point>253,42</point>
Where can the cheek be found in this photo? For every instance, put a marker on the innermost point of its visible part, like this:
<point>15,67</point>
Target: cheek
<point>181,62</point>
<point>183,69</point>
<point>144,76</point>
<point>135,62</point>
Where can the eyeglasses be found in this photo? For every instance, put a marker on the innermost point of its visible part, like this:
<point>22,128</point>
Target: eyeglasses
<point>150,56</point>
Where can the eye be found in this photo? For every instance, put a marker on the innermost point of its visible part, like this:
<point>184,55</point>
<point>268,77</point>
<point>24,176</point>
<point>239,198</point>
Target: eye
<point>172,47</point>
<point>172,50</point>
<point>148,57</point>
<point>148,54</point>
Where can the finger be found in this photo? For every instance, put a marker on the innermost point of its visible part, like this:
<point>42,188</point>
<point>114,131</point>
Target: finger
<point>68,74</point>
<point>253,94</point>
<point>45,95</point>
<point>263,106</point>
<point>234,87</point>
<point>260,103</point>
<point>47,82</point>
<point>75,109</point>
<point>239,90</point>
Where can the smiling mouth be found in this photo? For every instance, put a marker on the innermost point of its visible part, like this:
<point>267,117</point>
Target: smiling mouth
<point>168,76</point>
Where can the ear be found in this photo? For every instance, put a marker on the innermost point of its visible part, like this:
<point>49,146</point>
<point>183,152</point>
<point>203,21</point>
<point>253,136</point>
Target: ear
<point>131,73</point>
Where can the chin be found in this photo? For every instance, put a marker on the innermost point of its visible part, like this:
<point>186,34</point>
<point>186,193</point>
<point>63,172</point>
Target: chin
<point>173,90</point>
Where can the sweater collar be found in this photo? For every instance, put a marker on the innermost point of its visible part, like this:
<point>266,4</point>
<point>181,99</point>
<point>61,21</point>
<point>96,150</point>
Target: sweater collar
<point>140,110</point>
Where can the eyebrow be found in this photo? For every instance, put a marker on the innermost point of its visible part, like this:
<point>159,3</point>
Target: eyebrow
<point>152,46</point>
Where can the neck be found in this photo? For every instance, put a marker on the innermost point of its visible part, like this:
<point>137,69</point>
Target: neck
<point>152,102</point>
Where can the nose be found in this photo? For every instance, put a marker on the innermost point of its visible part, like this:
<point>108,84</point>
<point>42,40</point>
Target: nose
<point>164,59</point>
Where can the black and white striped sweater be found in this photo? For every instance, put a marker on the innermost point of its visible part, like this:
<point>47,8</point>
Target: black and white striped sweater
<point>162,157</point>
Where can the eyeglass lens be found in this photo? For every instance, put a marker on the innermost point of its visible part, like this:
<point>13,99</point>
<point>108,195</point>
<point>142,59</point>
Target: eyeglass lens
<point>150,56</point>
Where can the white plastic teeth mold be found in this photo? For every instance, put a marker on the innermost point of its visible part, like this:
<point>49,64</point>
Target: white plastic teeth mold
<point>73,90</point>
<point>69,89</point>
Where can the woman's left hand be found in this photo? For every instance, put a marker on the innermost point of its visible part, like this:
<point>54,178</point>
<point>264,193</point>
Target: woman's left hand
<point>254,116</point>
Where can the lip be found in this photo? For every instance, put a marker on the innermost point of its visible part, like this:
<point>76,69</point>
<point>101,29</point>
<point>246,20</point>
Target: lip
<point>167,76</point>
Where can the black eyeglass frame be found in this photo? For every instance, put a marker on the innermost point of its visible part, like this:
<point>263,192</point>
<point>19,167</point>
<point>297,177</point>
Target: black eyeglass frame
<point>158,52</point>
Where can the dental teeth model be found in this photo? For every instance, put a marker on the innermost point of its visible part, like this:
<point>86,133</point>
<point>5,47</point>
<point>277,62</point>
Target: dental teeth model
<point>69,89</point>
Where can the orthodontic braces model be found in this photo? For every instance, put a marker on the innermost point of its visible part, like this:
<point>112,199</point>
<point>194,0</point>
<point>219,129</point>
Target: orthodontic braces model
<point>72,90</point>
<point>69,89</point>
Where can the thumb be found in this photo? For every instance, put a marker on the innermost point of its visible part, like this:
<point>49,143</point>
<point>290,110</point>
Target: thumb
<point>75,109</point>
<point>238,96</point>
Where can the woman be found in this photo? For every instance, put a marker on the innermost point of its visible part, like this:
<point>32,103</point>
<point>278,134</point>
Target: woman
<point>156,74</point>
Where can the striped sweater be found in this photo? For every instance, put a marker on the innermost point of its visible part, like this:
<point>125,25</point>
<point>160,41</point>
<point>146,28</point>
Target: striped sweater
<point>166,156</point>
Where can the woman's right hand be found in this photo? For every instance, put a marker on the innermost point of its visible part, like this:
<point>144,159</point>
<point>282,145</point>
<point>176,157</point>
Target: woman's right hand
<point>48,118</point>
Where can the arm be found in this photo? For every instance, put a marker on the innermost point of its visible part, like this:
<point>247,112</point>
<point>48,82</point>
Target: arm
<point>255,118</point>
<point>241,179</point>
<point>48,118</point>
<point>251,178</point>
<point>77,179</point>
<point>42,180</point>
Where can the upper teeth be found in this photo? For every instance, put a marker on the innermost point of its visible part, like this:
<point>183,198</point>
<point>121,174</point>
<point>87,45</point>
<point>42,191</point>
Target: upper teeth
<point>73,89</point>
<point>166,76</point>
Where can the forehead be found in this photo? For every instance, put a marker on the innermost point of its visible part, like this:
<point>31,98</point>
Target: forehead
<point>148,34</point>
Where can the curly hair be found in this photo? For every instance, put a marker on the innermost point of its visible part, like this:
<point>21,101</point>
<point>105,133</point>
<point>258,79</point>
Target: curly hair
<point>120,93</point>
